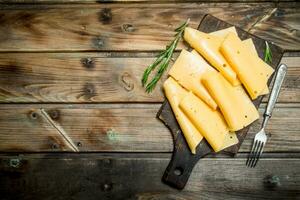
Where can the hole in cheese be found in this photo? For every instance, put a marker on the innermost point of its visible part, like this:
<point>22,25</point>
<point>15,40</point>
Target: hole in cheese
<point>224,65</point>
<point>246,116</point>
<point>238,52</point>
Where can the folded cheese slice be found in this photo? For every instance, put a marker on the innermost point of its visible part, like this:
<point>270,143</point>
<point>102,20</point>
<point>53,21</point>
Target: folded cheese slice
<point>187,70</point>
<point>208,46</point>
<point>250,69</point>
<point>235,105</point>
<point>175,93</point>
<point>209,122</point>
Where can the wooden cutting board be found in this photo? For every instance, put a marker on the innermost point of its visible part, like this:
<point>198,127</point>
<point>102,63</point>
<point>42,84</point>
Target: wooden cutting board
<point>183,161</point>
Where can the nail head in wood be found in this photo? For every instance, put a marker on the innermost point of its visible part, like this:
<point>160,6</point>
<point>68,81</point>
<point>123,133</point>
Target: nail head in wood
<point>14,162</point>
<point>107,187</point>
<point>88,63</point>
<point>98,42</point>
<point>272,181</point>
<point>128,28</point>
<point>33,115</point>
<point>54,146</point>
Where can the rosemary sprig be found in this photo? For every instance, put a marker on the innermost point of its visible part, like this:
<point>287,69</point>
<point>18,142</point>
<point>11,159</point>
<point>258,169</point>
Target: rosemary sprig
<point>268,53</point>
<point>162,60</point>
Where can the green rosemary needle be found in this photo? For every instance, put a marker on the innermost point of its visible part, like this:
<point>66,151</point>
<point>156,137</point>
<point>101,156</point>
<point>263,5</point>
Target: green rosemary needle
<point>162,60</point>
<point>268,53</point>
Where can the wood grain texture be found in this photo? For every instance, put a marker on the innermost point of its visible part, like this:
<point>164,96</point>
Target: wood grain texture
<point>122,128</point>
<point>286,19</point>
<point>115,27</point>
<point>95,77</point>
<point>138,176</point>
<point>125,1</point>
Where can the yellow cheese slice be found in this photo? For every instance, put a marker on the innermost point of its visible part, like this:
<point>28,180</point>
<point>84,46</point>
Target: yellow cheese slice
<point>187,70</point>
<point>224,32</point>
<point>208,46</point>
<point>248,68</point>
<point>235,105</point>
<point>209,122</point>
<point>175,93</point>
<point>248,43</point>
<point>267,69</point>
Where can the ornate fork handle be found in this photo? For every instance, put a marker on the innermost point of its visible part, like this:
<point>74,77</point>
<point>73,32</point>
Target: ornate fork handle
<point>274,93</point>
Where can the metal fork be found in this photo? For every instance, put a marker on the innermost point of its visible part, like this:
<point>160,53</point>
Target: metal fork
<point>261,137</point>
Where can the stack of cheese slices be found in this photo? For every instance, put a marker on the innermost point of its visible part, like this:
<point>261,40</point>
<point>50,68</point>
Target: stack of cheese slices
<point>206,87</point>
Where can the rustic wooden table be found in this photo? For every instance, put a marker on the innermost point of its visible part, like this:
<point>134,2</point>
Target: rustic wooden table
<point>70,75</point>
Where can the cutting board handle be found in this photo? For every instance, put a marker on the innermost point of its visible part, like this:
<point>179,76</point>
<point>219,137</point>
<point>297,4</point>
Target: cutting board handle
<point>182,163</point>
<point>179,169</point>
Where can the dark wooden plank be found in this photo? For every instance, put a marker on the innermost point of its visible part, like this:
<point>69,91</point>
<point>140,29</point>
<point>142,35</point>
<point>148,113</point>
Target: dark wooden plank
<point>95,77</point>
<point>114,27</point>
<point>121,127</point>
<point>124,1</point>
<point>138,176</point>
<point>286,18</point>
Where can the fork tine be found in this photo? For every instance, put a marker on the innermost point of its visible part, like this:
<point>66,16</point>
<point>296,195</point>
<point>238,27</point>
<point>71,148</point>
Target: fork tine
<point>260,152</point>
<point>251,153</point>
<point>256,153</point>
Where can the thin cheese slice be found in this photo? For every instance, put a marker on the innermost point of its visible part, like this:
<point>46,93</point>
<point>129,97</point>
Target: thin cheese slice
<point>268,70</point>
<point>248,43</point>
<point>234,103</point>
<point>175,93</point>
<point>187,70</point>
<point>208,46</point>
<point>210,123</point>
<point>248,68</point>
<point>224,32</point>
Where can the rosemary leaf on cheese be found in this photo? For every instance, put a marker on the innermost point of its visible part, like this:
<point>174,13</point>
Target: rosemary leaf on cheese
<point>162,60</point>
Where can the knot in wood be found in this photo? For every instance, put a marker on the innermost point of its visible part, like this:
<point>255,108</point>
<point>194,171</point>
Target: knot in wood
<point>128,28</point>
<point>54,114</point>
<point>88,63</point>
<point>105,16</point>
<point>89,91</point>
<point>127,82</point>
